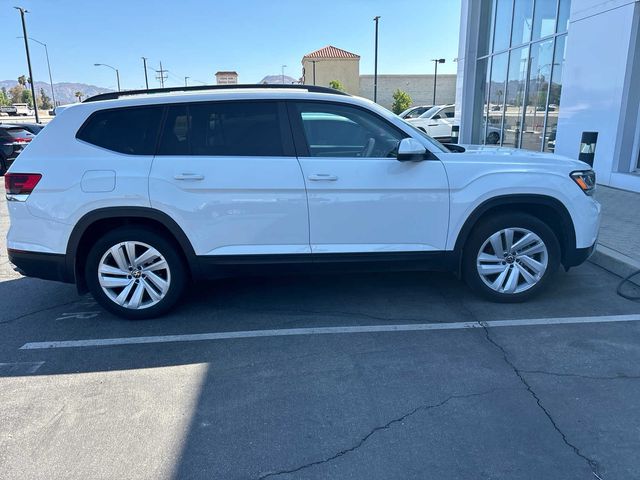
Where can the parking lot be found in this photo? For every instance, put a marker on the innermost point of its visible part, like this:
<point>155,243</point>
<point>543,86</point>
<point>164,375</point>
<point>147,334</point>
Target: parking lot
<point>377,376</point>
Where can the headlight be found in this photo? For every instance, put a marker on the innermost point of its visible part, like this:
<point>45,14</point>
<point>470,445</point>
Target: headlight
<point>586,180</point>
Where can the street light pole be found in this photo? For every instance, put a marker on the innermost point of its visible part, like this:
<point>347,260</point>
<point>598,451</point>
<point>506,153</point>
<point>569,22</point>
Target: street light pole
<point>185,81</point>
<point>314,71</point>
<point>112,68</point>
<point>26,47</point>
<point>436,61</point>
<point>375,67</point>
<point>146,79</point>
<point>283,67</point>
<point>46,51</point>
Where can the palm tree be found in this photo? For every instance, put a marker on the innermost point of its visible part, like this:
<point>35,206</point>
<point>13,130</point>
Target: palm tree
<point>79,96</point>
<point>22,80</point>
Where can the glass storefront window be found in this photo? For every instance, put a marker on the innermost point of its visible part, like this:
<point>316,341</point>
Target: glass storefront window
<point>514,96</point>
<point>504,11</point>
<point>544,21</point>
<point>487,15</point>
<point>563,15</point>
<point>555,91</point>
<point>480,99</point>
<point>536,98</point>
<point>495,104</point>
<point>522,22</point>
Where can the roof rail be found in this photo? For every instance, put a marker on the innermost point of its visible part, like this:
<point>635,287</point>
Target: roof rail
<point>197,88</point>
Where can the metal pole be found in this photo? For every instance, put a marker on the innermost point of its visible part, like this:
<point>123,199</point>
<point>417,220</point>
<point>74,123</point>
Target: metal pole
<point>146,79</point>
<point>375,67</point>
<point>435,78</point>
<point>118,78</point>
<point>185,81</point>
<point>314,71</point>
<point>53,94</point>
<point>26,47</point>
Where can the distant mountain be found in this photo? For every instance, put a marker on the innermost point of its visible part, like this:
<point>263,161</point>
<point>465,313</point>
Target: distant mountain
<point>65,92</point>
<point>278,79</point>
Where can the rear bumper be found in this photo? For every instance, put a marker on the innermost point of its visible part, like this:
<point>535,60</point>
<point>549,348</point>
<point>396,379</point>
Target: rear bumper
<point>48,266</point>
<point>578,256</point>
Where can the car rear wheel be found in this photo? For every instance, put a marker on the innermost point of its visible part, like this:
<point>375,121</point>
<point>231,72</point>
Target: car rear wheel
<point>135,273</point>
<point>510,257</point>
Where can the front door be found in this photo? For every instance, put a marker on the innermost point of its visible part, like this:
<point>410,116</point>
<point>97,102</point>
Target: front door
<point>226,172</point>
<point>361,199</point>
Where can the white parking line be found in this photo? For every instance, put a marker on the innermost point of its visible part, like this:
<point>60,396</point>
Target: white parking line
<point>196,337</point>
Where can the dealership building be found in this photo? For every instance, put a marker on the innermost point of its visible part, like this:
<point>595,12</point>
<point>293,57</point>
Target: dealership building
<point>556,76</point>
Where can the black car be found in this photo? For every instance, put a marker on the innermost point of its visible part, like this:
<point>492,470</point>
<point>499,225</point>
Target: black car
<point>34,128</point>
<point>13,139</point>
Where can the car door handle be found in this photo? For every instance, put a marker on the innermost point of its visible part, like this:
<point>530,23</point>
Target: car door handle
<point>320,177</point>
<point>189,176</point>
<point>434,124</point>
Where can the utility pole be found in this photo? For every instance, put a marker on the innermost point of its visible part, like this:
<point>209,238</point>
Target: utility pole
<point>375,67</point>
<point>161,75</point>
<point>185,81</point>
<point>314,71</point>
<point>146,79</point>
<point>436,61</point>
<point>26,47</point>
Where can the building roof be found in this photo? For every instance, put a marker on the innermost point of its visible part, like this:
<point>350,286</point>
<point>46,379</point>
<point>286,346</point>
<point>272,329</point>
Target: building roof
<point>226,73</point>
<point>331,52</point>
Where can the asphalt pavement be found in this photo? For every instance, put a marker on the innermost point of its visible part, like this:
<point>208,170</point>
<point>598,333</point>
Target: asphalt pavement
<point>376,376</point>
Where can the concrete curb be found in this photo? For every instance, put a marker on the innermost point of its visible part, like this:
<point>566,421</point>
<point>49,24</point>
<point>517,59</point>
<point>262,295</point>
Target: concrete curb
<point>616,263</point>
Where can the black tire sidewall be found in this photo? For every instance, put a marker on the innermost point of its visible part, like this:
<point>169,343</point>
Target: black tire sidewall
<point>158,241</point>
<point>494,224</point>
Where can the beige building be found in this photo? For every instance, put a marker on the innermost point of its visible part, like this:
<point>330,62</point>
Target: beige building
<point>419,88</point>
<point>331,63</point>
<point>226,78</point>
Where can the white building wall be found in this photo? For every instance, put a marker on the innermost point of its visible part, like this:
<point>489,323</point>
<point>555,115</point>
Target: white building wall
<point>419,87</point>
<point>598,84</point>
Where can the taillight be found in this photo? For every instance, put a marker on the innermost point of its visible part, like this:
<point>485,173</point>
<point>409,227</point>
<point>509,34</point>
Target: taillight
<point>20,185</point>
<point>22,140</point>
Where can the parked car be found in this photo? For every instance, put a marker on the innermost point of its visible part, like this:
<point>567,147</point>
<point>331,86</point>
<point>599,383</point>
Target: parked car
<point>8,110</point>
<point>23,109</point>
<point>414,112</point>
<point>33,128</point>
<point>131,195</point>
<point>13,139</point>
<point>436,122</point>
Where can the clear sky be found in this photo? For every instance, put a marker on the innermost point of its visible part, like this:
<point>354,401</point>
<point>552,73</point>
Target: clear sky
<point>196,38</point>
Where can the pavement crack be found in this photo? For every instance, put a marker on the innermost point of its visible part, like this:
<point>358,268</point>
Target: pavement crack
<point>593,465</point>
<point>372,432</point>
<point>579,375</point>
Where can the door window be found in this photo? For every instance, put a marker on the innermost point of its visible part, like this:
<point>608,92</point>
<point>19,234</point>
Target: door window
<point>343,131</point>
<point>223,129</point>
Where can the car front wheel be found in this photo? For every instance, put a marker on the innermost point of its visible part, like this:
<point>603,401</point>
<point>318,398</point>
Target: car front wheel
<point>135,273</point>
<point>510,257</point>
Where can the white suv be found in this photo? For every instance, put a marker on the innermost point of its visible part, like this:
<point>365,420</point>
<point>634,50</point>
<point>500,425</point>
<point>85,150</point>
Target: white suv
<point>131,195</point>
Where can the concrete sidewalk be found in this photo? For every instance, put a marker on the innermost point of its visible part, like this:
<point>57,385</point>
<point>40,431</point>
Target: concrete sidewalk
<point>618,248</point>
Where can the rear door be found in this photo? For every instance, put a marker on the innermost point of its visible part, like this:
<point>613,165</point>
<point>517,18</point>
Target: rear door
<point>227,173</point>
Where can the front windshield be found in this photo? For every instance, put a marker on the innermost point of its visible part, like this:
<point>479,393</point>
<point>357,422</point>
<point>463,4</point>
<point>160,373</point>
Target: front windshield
<point>429,113</point>
<point>437,146</point>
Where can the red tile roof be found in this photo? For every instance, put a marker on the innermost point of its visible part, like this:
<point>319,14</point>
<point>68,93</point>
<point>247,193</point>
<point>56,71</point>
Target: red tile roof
<point>331,52</point>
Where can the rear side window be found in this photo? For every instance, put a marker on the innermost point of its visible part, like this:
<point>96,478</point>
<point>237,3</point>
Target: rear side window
<point>223,129</point>
<point>133,131</point>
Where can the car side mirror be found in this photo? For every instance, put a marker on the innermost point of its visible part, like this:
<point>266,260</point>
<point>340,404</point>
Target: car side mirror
<point>411,150</point>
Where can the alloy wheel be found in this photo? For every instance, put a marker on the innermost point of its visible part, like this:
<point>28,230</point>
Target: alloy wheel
<point>512,260</point>
<point>134,275</point>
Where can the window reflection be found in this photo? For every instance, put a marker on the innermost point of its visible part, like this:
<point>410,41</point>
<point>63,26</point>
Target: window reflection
<point>544,22</point>
<point>522,22</point>
<point>514,100</point>
<point>480,100</point>
<point>504,10</point>
<point>554,95</point>
<point>536,99</point>
<point>493,134</point>
<point>563,15</point>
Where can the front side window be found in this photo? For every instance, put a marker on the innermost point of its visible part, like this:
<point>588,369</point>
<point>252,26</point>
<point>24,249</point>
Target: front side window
<point>222,129</point>
<point>344,131</point>
<point>132,130</point>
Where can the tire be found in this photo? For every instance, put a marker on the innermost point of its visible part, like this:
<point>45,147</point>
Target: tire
<point>493,138</point>
<point>135,291</point>
<point>535,258</point>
